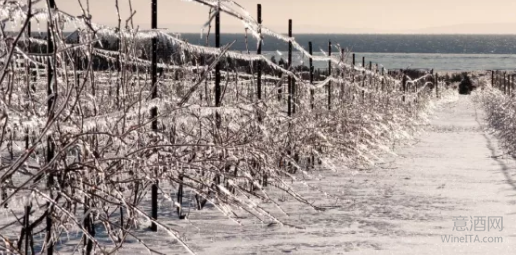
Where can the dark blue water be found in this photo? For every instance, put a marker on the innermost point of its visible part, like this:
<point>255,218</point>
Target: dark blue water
<point>448,44</point>
<point>436,61</point>
<point>440,52</point>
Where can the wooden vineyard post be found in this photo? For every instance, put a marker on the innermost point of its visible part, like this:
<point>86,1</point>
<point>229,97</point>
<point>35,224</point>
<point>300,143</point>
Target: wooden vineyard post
<point>353,76</point>
<point>289,65</point>
<point>50,142</point>
<point>259,63</point>
<point>329,75</point>
<point>311,63</point>
<point>436,85</point>
<point>28,74</point>
<point>154,110</point>
<point>416,94</point>
<point>363,80</point>
<point>343,77</point>
<point>504,83</point>
<point>404,84</point>
<point>218,92</point>
<point>509,84</point>
<point>312,92</point>
<point>290,91</point>
<point>377,71</point>
<point>370,80</point>
<point>217,70</point>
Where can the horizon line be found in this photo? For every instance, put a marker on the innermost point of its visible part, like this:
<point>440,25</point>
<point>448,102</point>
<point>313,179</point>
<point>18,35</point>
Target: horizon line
<point>305,33</point>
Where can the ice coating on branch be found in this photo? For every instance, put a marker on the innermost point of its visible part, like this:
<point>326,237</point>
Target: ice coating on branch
<point>107,148</point>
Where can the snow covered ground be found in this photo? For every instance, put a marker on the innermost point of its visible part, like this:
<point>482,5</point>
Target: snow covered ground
<point>407,205</point>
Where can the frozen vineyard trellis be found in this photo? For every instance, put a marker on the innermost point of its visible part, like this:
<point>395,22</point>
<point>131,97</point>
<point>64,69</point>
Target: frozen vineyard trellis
<point>82,147</point>
<point>498,101</point>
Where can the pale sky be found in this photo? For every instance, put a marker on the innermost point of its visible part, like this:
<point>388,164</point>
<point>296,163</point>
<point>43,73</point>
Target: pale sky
<point>323,16</point>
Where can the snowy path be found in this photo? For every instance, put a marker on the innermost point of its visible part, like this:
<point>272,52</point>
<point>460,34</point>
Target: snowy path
<point>405,206</point>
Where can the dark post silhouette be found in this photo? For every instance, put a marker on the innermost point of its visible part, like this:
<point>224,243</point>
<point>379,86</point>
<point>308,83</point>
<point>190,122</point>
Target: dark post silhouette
<point>343,77</point>
<point>404,84</point>
<point>504,82</point>
<point>353,70</point>
<point>217,70</point>
<point>363,79</point>
<point>329,75</point>
<point>50,142</point>
<point>154,110</point>
<point>259,52</point>
<point>437,85</point>
<point>28,72</point>
<point>289,65</point>
<point>311,63</point>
